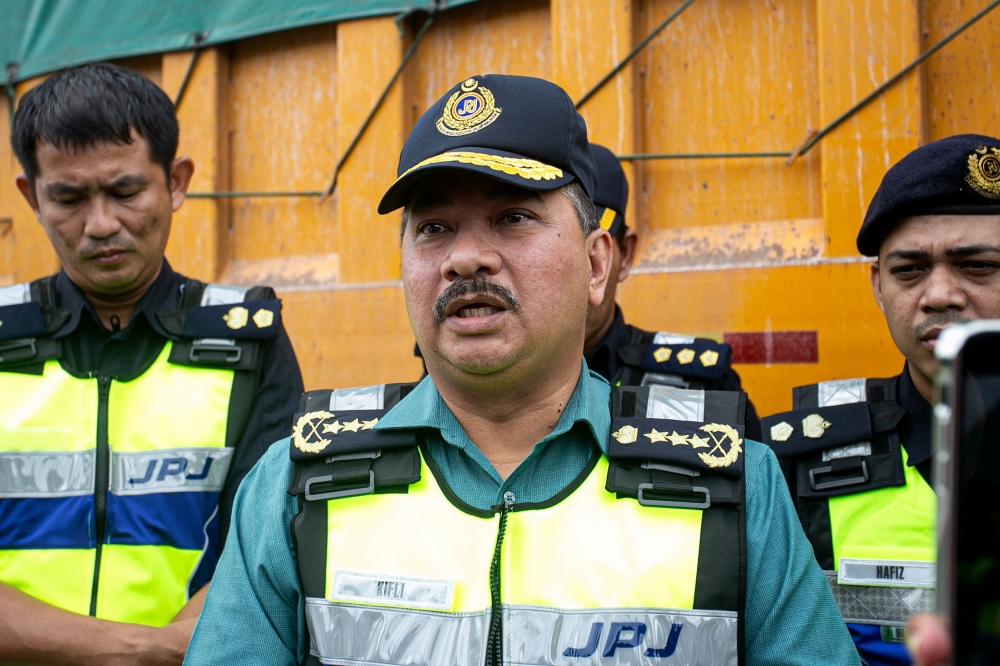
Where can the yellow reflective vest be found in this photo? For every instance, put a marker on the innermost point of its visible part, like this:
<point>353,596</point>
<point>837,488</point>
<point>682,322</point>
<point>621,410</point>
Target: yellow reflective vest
<point>869,516</point>
<point>109,489</point>
<point>396,569</point>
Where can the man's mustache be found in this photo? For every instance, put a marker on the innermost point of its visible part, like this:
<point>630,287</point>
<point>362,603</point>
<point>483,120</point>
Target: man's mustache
<point>937,319</point>
<point>479,285</point>
<point>109,245</point>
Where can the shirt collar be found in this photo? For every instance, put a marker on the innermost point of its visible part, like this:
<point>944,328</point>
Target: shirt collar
<point>916,428</point>
<point>163,294</point>
<point>603,358</point>
<point>425,408</point>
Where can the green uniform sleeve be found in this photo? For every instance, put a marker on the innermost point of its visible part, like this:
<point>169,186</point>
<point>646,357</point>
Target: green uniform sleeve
<point>791,619</point>
<point>255,610</point>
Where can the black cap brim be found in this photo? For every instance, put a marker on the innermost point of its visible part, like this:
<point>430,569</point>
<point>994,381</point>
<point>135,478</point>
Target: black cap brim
<point>497,164</point>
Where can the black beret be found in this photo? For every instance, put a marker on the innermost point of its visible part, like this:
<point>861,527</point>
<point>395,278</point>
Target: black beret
<point>612,189</point>
<point>959,175</point>
<point>517,129</point>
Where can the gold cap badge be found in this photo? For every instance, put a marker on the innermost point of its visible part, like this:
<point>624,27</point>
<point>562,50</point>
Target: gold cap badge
<point>626,434</point>
<point>685,356</point>
<point>468,110</point>
<point>237,317</point>
<point>984,172</point>
<point>813,426</point>
<point>662,355</point>
<point>263,318</point>
<point>781,432</point>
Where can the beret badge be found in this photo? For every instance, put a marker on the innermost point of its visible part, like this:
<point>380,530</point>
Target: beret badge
<point>468,110</point>
<point>984,172</point>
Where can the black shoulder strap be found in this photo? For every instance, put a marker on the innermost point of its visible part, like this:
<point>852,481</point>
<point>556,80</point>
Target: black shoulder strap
<point>27,323</point>
<point>688,464</point>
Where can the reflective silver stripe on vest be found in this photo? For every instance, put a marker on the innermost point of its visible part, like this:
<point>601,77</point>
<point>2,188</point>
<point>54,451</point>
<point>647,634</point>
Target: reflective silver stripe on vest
<point>667,402</point>
<point>361,397</point>
<point>15,294</point>
<point>887,606</point>
<point>622,636</point>
<point>170,471</point>
<point>350,634</point>
<point>534,636</point>
<point>223,294</point>
<point>46,473</point>
<point>665,338</point>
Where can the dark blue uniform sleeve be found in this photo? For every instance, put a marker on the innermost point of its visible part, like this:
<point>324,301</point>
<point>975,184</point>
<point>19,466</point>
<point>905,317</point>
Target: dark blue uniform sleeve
<point>274,407</point>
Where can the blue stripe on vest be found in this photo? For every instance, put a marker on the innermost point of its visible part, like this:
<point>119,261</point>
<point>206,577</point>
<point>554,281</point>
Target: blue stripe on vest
<point>161,519</point>
<point>50,522</point>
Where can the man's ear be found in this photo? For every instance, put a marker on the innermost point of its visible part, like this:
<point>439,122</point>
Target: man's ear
<point>600,253</point>
<point>628,249</point>
<point>27,190</point>
<point>181,171</point>
<point>876,280</point>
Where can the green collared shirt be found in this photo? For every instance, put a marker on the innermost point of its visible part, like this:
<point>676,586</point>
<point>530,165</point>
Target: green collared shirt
<point>255,610</point>
<point>552,465</point>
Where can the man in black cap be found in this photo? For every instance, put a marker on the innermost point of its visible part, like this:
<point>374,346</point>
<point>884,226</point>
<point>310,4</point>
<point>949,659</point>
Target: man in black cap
<point>859,450</point>
<point>498,512</point>
<point>626,355</point>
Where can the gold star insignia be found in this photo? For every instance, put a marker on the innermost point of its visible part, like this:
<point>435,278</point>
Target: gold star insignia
<point>334,427</point>
<point>709,358</point>
<point>352,426</point>
<point>656,436</point>
<point>685,356</point>
<point>677,439</point>
<point>368,425</point>
<point>662,354</point>
<point>699,442</point>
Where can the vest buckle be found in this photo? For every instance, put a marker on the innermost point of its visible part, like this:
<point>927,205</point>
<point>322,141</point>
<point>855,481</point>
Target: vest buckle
<point>837,483</point>
<point>206,350</point>
<point>342,492</point>
<point>14,350</point>
<point>676,497</point>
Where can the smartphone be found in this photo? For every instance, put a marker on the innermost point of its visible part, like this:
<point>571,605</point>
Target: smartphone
<point>966,474</point>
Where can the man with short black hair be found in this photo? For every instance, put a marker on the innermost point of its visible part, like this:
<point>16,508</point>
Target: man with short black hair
<point>627,355</point>
<point>513,508</point>
<point>133,400</point>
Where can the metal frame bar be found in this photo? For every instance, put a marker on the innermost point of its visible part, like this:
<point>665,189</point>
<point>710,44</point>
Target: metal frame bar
<point>633,53</point>
<point>385,93</point>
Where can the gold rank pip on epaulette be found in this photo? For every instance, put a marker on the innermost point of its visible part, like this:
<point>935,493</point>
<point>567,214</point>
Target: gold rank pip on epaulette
<point>337,450</point>
<point>841,437</point>
<point>680,448</point>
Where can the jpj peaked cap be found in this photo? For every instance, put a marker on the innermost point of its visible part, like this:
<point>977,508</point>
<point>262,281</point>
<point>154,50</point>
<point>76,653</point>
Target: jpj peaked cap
<point>516,129</point>
<point>611,198</point>
<point>959,175</point>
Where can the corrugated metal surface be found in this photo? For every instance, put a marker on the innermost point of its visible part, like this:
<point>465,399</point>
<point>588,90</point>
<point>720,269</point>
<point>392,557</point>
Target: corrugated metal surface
<point>746,249</point>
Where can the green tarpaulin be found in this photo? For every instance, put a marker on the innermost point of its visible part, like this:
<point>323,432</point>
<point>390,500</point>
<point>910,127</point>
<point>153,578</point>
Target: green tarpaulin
<point>39,36</point>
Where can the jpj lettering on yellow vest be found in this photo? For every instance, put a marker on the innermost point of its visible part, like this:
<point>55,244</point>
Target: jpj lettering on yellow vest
<point>109,487</point>
<point>869,516</point>
<point>639,560</point>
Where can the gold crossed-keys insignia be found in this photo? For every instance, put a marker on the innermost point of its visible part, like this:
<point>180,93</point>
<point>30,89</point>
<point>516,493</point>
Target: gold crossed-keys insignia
<point>308,433</point>
<point>716,456</point>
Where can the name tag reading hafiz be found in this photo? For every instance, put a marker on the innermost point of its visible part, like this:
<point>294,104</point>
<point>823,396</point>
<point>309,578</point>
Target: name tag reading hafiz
<point>887,573</point>
<point>370,587</point>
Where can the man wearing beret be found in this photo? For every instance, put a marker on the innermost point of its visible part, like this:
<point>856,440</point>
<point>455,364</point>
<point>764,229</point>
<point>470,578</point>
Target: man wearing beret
<point>498,512</point>
<point>627,355</point>
<point>860,449</point>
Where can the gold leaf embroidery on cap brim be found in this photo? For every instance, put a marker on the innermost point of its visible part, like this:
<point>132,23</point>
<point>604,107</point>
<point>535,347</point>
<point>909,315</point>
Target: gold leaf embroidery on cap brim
<point>515,166</point>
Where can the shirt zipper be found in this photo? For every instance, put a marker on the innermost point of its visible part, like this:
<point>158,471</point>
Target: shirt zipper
<point>102,470</point>
<point>494,643</point>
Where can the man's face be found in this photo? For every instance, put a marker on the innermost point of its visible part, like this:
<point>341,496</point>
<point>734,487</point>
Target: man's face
<point>935,270</point>
<point>498,277</point>
<point>106,210</point>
